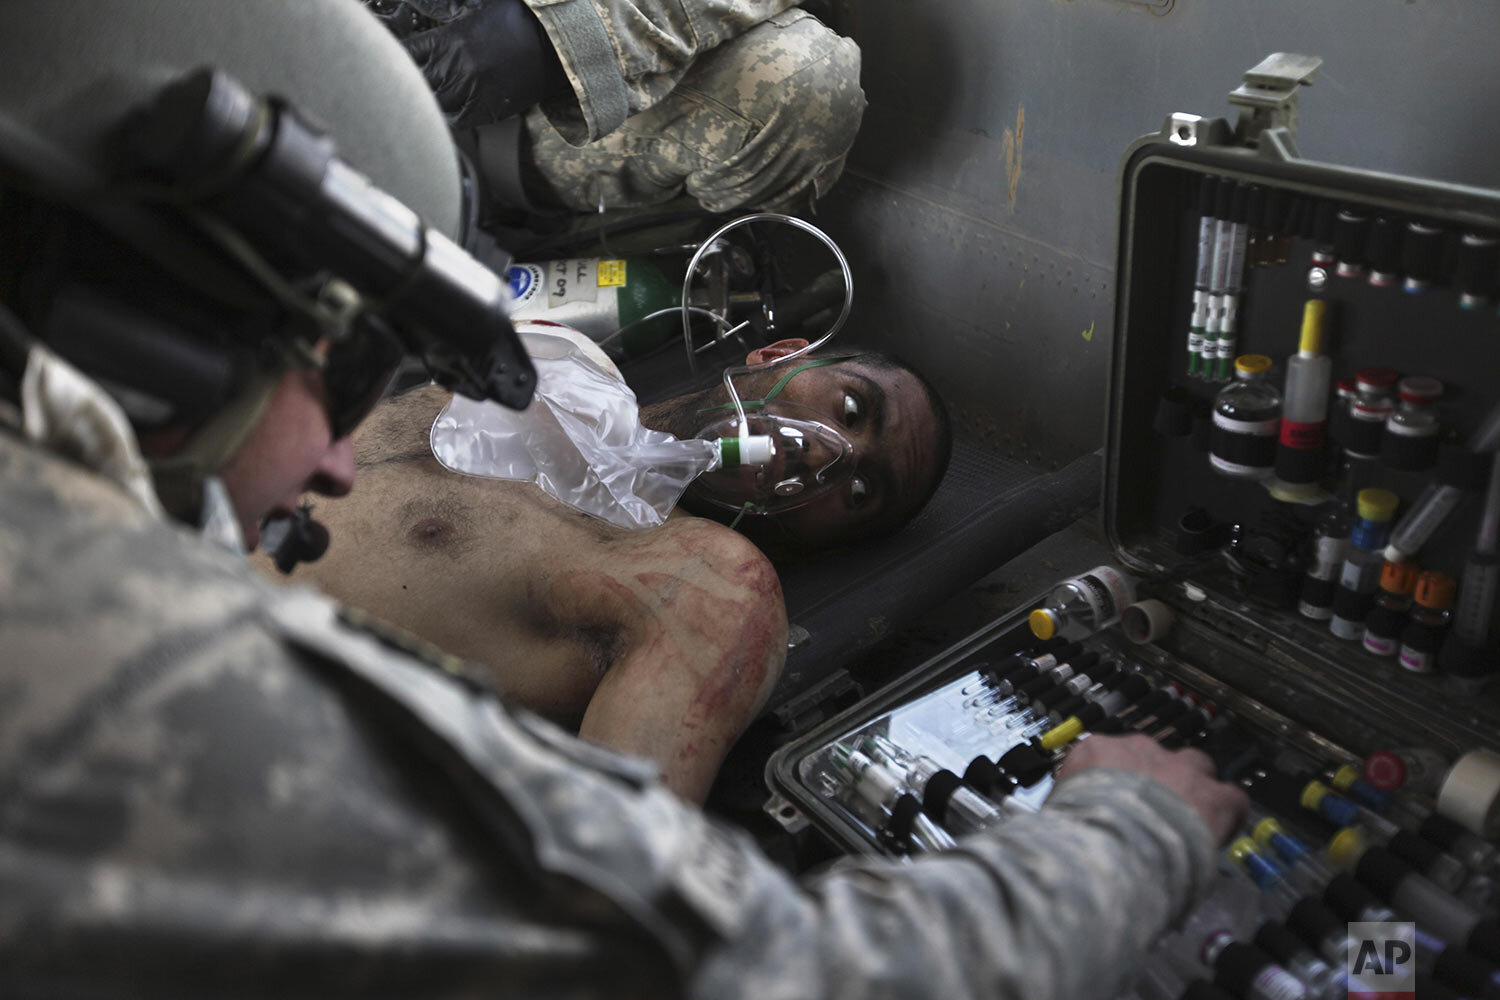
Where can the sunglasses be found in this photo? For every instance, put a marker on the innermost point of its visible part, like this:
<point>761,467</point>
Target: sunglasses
<point>356,371</point>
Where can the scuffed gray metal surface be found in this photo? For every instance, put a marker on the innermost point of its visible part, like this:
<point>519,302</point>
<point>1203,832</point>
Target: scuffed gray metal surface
<point>978,207</point>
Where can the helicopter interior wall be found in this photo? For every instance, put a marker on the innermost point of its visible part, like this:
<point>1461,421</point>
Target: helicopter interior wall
<point>978,204</point>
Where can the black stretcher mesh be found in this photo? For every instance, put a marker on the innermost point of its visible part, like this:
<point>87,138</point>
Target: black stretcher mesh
<point>987,511</point>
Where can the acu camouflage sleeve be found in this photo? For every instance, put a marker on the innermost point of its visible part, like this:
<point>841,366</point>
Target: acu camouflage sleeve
<point>1058,905</point>
<point>622,56</point>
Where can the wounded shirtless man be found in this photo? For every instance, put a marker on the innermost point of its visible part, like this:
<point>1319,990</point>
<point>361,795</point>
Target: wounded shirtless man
<point>663,643</point>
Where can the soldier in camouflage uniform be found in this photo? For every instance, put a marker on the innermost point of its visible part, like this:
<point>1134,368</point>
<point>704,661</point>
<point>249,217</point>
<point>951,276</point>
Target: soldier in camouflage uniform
<point>736,103</point>
<point>763,121</point>
<point>210,786</point>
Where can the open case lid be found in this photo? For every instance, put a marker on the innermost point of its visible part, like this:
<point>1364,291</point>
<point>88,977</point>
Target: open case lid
<point>1152,480</point>
<point>1283,676</point>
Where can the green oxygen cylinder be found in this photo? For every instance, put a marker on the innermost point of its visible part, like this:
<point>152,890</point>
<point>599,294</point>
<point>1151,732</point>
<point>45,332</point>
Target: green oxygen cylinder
<point>606,299</point>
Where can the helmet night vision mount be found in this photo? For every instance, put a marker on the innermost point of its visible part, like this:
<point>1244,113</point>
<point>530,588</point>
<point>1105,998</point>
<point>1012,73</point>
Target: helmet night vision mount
<point>256,166</point>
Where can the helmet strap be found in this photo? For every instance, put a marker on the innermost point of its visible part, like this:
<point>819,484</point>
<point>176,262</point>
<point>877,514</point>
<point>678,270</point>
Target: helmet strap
<point>751,404</point>
<point>179,476</point>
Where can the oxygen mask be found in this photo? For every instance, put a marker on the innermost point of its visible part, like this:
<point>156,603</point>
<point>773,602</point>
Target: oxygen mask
<point>788,457</point>
<point>775,455</point>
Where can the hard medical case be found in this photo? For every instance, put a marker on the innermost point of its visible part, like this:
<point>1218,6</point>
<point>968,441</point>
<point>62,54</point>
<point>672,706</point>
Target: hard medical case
<point>1231,556</point>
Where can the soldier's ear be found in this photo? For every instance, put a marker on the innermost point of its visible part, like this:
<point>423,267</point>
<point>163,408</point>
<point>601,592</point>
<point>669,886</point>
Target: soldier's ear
<point>771,352</point>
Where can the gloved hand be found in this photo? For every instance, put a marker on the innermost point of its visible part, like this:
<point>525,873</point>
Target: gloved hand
<point>489,64</point>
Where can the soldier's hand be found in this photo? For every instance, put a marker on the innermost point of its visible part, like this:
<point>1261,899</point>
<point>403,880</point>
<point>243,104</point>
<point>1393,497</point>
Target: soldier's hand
<point>489,64</point>
<point>1189,773</point>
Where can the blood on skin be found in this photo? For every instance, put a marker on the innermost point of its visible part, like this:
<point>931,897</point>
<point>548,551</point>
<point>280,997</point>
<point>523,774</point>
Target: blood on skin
<point>741,671</point>
<point>741,667</point>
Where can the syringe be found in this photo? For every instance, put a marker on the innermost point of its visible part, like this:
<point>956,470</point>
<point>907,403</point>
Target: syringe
<point>1487,435</point>
<point>1422,521</point>
<point>1474,618</point>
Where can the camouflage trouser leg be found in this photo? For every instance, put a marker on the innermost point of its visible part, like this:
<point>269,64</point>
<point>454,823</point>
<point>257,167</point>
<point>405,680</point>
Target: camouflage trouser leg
<point>763,120</point>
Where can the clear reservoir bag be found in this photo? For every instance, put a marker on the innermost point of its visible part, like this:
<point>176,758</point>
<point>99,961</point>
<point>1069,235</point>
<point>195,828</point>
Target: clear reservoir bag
<point>580,440</point>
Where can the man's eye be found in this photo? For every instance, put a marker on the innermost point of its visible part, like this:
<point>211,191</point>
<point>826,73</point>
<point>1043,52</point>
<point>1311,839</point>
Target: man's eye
<point>858,492</point>
<point>851,409</point>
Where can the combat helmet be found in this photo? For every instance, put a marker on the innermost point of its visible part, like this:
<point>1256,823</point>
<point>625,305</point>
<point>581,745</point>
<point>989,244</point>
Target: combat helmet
<point>194,192</point>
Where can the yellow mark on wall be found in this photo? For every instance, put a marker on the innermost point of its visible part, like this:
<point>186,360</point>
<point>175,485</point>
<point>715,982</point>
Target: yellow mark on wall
<point>1089,333</point>
<point>1012,142</point>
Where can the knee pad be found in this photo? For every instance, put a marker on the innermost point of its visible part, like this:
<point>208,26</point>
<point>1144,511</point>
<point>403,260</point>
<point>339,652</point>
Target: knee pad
<point>806,103</point>
<point>815,75</point>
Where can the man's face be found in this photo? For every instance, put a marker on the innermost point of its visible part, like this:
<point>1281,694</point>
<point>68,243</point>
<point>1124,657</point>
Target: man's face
<point>885,414</point>
<point>289,452</point>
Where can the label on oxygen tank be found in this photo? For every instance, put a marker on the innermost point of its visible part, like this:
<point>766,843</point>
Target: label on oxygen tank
<point>571,281</point>
<point>625,306</point>
<point>579,292</point>
<point>611,273</point>
<point>523,280</point>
